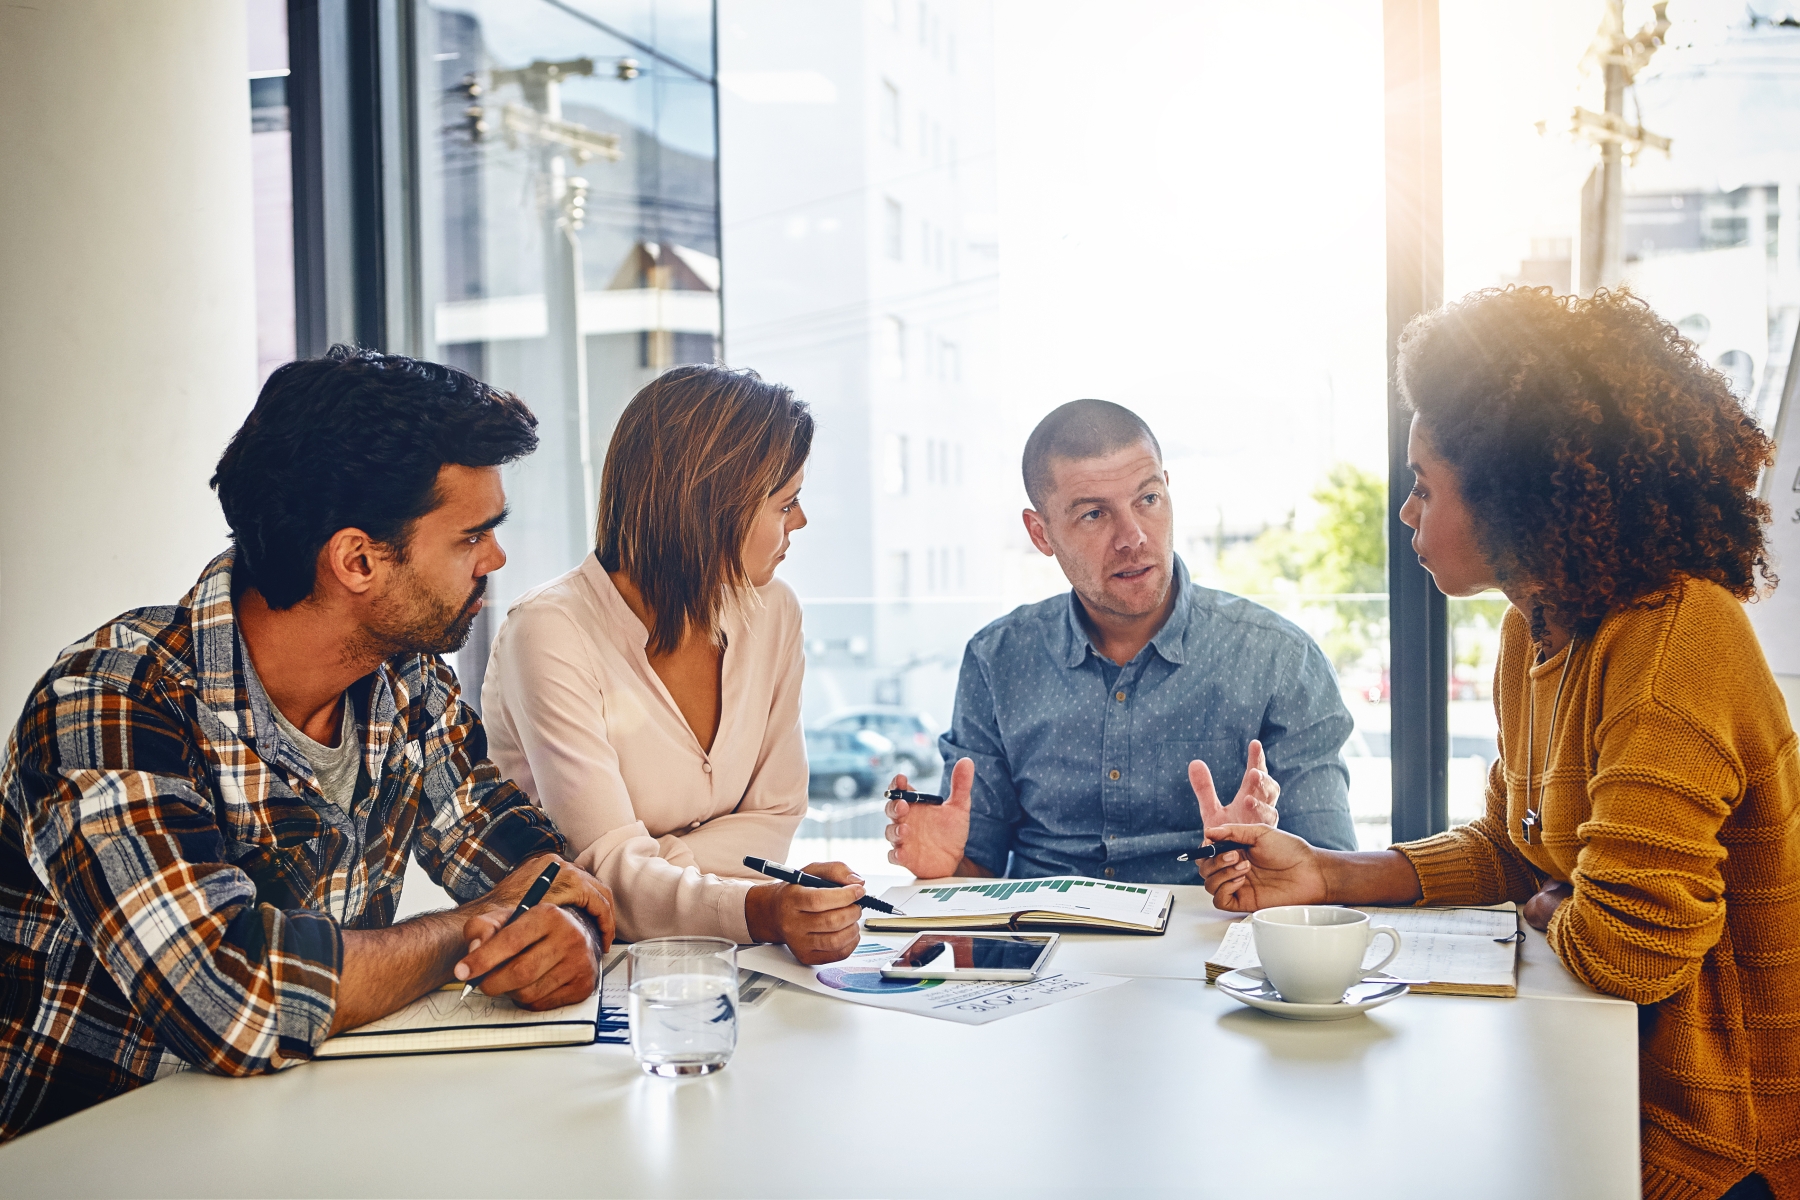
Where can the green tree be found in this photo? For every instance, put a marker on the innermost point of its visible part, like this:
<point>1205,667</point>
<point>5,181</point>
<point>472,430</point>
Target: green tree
<point>1343,550</point>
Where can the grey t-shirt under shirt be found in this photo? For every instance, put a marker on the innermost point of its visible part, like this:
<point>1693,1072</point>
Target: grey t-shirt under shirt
<point>336,766</point>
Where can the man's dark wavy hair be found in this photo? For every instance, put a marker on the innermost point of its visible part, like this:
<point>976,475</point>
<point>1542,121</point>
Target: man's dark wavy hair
<point>354,439</point>
<point>1599,455</point>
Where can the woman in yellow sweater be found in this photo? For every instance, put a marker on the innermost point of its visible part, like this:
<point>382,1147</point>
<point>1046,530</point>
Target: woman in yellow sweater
<point>1579,456</point>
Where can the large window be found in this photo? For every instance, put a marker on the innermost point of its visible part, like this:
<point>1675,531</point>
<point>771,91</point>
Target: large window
<point>940,220</point>
<point>1084,227</point>
<point>1590,145</point>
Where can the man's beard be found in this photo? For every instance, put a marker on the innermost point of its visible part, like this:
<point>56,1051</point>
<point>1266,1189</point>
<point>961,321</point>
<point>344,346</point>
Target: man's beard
<point>426,624</point>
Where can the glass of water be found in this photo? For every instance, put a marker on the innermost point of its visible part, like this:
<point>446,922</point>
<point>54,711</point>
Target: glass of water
<point>683,1004</point>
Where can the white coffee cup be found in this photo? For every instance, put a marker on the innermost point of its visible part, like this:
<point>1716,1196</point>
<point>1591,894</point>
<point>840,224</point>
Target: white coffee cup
<point>1312,953</point>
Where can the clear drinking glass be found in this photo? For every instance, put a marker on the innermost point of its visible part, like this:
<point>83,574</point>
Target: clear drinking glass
<point>683,1004</point>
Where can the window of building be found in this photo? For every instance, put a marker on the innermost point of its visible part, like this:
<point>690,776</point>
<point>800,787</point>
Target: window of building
<point>892,347</point>
<point>890,113</point>
<point>894,464</point>
<point>894,218</point>
<point>898,583</point>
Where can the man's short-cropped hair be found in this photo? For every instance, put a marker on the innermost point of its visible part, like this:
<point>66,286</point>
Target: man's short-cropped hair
<point>1077,430</point>
<point>354,439</point>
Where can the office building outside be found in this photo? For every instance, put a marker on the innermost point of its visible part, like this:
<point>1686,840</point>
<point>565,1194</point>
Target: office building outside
<point>860,248</point>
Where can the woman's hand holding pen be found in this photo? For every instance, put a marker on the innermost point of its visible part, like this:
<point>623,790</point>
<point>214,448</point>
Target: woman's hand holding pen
<point>1276,868</point>
<point>550,956</point>
<point>819,925</point>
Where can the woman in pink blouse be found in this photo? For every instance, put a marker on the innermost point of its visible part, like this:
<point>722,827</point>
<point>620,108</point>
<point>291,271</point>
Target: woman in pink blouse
<point>649,700</point>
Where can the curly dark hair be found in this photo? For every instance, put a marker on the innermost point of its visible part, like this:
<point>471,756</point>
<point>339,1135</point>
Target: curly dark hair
<point>1599,455</point>
<point>353,439</point>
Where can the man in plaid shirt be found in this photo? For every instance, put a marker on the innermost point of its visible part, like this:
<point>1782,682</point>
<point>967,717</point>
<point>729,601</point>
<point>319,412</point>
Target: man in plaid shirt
<point>208,807</point>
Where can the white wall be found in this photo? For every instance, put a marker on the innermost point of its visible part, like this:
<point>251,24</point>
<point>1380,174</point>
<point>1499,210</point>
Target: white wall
<point>127,308</point>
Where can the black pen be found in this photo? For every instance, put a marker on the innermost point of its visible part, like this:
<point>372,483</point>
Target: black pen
<point>1211,850</point>
<point>912,797</point>
<point>789,875</point>
<point>536,892</point>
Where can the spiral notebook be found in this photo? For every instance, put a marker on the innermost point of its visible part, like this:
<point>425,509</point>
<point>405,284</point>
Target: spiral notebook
<point>1462,951</point>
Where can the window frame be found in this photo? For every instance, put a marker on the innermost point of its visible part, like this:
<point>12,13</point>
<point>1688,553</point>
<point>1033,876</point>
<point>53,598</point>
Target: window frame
<point>1418,613</point>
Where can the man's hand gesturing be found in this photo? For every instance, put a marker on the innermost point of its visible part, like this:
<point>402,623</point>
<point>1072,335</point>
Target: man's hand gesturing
<point>1254,803</point>
<point>929,839</point>
<point>550,956</point>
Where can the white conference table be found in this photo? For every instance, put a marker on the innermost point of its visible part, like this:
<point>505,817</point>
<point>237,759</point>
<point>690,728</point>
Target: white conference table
<point>1162,1086</point>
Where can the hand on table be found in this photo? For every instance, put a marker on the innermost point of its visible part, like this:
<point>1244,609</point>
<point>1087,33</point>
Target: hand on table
<point>1278,868</point>
<point>819,925</point>
<point>550,956</point>
<point>1541,907</point>
<point>1256,796</point>
<point>929,839</point>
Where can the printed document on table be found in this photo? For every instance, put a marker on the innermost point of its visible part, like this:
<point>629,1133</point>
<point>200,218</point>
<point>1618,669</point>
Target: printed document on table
<point>858,980</point>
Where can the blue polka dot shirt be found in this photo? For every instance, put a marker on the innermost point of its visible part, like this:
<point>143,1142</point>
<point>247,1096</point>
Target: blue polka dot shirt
<point>1081,764</point>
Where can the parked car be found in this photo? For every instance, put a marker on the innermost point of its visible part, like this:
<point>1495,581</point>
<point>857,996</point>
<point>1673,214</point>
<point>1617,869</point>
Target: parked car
<point>913,733</point>
<point>845,764</point>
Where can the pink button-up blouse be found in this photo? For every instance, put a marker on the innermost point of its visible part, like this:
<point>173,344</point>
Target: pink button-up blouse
<point>578,719</point>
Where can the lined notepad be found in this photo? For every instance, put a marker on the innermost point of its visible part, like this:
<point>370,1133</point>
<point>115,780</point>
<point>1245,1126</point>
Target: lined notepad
<point>1462,951</point>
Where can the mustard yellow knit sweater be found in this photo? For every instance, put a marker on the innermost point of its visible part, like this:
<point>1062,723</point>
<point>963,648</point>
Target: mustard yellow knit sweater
<point>1672,804</point>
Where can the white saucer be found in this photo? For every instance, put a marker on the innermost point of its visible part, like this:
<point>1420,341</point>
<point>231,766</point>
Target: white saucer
<point>1250,986</point>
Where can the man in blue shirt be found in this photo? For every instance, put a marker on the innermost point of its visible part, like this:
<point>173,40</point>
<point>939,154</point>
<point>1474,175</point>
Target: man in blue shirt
<point>1088,726</point>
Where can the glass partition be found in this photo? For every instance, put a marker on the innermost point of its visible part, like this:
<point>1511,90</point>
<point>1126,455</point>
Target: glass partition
<point>569,247</point>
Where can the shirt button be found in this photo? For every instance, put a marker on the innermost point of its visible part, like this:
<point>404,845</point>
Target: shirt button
<point>1115,773</point>
<point>707,767</point>
<point>1109,872</point>
<point>1119,696</point>
<point>1112,837</point>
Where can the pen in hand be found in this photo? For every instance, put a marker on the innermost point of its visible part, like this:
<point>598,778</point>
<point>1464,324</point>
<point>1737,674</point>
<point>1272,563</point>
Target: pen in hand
<point>1211,850</point>
<point>790,875</point>
<point>539,888</point>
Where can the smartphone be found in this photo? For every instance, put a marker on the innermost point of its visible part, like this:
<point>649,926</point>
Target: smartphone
<point>913,797</point>
<point>1017,957</point>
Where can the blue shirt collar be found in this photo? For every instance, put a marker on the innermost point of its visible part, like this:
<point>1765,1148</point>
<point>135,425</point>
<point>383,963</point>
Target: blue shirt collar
<point>1170,641</point>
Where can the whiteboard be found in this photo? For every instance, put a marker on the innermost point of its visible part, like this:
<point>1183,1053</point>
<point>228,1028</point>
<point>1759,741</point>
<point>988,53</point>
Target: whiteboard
<point>1777,617</point>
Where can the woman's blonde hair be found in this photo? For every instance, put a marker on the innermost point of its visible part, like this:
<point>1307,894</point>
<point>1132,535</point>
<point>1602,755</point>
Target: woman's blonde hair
<point>694,456</point>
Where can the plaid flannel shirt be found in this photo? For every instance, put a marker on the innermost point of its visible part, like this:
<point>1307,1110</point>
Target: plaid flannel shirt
<point>172,879</point>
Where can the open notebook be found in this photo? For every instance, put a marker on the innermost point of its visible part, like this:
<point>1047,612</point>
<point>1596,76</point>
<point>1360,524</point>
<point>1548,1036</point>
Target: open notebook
<point>1058,902</point>
<point>1462,951</point>
<point>441,1022</point>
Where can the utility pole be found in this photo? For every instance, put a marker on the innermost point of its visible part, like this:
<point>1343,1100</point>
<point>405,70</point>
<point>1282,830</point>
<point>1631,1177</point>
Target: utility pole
<point>1621,57</point>
<point>562,207</point>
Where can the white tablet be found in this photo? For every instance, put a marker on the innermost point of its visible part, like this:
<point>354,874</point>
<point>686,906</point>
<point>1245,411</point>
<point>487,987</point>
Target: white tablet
<point>1018,957</point>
